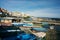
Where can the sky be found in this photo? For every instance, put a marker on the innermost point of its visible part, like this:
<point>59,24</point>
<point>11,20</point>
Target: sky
<point>37,8</point>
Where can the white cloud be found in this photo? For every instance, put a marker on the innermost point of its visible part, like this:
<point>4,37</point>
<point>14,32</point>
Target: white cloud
<point>55,13</point>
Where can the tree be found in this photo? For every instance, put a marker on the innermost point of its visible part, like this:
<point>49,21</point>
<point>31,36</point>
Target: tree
<point>27,18</point>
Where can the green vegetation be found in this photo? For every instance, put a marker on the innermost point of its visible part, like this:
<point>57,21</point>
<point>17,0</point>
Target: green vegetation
<point>27,18</point>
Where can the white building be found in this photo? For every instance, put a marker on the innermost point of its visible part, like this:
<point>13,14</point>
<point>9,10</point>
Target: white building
<point>17,14</point>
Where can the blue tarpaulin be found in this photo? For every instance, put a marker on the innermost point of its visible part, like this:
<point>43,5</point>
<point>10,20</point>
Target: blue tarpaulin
<point>22,36</point>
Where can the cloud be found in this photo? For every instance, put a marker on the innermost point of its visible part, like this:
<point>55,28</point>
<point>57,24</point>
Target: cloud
<point>42,8</point>
<point>54,13</point>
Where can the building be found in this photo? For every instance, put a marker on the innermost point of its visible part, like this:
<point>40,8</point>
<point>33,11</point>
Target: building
<point>7,21</point>
<point>4,12</point>
<point>16,14</point>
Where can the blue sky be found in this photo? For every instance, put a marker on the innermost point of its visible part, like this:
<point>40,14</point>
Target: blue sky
<point>38,8</point>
